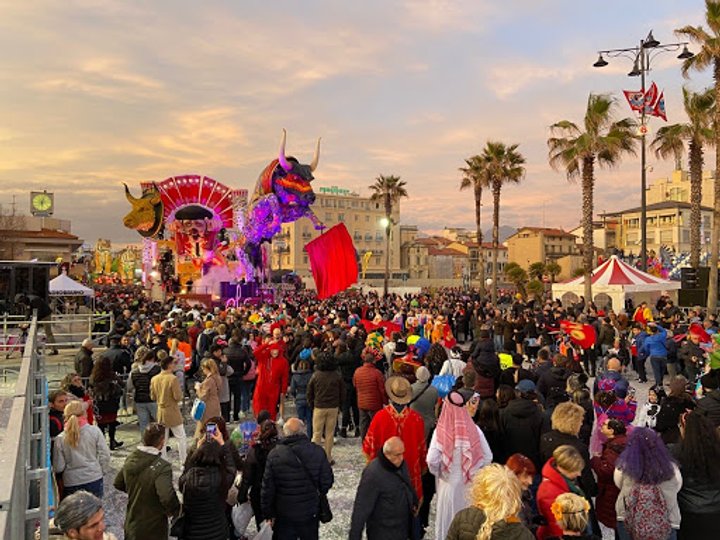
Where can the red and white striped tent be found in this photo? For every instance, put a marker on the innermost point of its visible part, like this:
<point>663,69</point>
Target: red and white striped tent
<point>616,280</point>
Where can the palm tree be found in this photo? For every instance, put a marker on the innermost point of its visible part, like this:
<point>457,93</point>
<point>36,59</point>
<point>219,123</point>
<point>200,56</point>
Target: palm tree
<point>388,190</point>
<point>602,141</point>
<point>475,176</point>
<point>537,270</point>
<point>670,141</point>
<point>709,56</point>
<point>505,165</point>
<point>516,275</point>
<point>553,269</point>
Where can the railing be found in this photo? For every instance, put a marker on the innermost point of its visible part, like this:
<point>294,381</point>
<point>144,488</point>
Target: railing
<point>24,447</point>
<point>67,331</point>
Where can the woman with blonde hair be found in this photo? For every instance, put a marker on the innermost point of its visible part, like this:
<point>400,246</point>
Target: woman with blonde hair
<point>209,392</point>
<point>80,452</point>
<point>560,475</point>
<point>572,513</point>
<point>496,501</point>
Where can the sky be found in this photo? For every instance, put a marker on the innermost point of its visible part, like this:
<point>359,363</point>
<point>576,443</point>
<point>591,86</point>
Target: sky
<point>94,93</point>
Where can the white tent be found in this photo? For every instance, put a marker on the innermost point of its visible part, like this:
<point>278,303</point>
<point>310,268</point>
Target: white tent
<point>66,286</point>
<point>611,282</point>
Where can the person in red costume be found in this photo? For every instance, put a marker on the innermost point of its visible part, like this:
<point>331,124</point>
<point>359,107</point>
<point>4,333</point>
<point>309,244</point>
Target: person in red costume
<point>399,419</point>
<point>272,378</point>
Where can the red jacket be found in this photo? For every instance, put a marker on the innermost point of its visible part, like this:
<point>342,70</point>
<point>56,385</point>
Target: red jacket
<point>552,485</point>
<point>370,388</point>
<point>604,466</point>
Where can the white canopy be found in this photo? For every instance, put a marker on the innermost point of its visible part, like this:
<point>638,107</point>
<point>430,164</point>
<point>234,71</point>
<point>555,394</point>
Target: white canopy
<point>614,280</point>
<point>66,286</point>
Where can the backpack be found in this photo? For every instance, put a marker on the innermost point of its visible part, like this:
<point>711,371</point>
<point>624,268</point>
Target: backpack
<point>646,513</point>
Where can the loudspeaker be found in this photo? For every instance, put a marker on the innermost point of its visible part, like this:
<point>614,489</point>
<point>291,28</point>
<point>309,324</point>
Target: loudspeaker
<point>703,274</point>
<point>692,297</point>
<point>689,278</point>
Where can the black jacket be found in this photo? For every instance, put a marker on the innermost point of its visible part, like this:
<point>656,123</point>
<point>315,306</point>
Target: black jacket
<point>251,485</point>
<point>84,362</point>
<point>384,502</point>
<point>697,496</point>
<point>667,419</point>
<point>287,492</point>
<point>552,439</point>
<point>238,359</point>
<point>348,363</point>
<point>555,377</point>
<point>204,490</point>
<point>710,406</point>
<point>521,424</point>
<point>120,358</point>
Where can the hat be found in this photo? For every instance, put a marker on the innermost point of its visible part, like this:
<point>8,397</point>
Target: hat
<point>525,386</point>
<point>398,390</point>
<point>401,348</point>
<point>422,374</point>
<point>208,324</point>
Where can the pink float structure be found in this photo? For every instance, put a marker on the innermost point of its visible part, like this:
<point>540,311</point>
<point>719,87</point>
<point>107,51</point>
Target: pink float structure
<point>199,232</point>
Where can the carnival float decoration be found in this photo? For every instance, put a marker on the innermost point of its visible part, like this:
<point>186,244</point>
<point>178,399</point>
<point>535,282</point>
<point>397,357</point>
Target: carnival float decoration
<point>196,228</point>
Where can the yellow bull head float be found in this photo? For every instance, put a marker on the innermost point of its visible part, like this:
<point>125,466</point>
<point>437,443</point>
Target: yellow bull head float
<point>146,216</point>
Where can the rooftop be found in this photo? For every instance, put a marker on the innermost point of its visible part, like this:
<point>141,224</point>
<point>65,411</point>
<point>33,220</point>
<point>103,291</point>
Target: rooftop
<point>547,231</point>
<point>43,233</point>
<point>664,205</point>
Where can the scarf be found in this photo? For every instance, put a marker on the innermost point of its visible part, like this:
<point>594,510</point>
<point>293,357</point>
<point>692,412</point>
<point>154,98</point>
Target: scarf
<point>455,429</point>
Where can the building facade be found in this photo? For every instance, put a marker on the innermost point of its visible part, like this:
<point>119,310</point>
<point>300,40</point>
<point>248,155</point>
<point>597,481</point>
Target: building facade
<point>364,221</point>
<point>540,244</point>
<point>677,188</point>
<point>26,238</point>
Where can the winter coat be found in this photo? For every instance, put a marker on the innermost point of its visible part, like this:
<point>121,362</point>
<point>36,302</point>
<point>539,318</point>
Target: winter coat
<point>85,463</point>
<point>555,377</point>
<point>348,363</point>
<point>425,397</point>
<point>710,405</point>
<point>84,362</point>
<point>553,484</point>
<point>697,496</point>
<point>287,492</point>
<point>120,358</point>
<point>384,502</point>
<point>326,390</point>
<point>209,392</point>
<point>165,390</point>
<point>238,359</point>
<point>298,386</point>
<point>466,525</point>
<point>669,490</point>
<point>552,439</point>
<point>521,424</point>
<point>604,466</point>
<point>147,479</point>
<point>252,475</point>
<point>667,419</point>
<point>370,388</point>
<point>654,344</point>
<point>106,397</point>
<point>204,489</point>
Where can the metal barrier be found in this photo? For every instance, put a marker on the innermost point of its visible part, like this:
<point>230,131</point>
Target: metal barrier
<point>24,446</point>
<point>66,331</point>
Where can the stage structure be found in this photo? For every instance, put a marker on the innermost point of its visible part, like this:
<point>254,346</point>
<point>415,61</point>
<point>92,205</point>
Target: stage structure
<point>199,233</point>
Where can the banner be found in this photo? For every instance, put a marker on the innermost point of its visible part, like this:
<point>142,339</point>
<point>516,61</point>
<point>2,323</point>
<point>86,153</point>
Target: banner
<point>636,100</point>
<point>333,261</point>
<point>580,334</point>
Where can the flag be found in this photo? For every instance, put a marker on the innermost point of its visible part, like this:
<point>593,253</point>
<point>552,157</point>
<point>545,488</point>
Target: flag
<point>580,334</point>
<point>635,99</point>
<point>651,96</point>
<point>333,261</point>
<point>659,109</point>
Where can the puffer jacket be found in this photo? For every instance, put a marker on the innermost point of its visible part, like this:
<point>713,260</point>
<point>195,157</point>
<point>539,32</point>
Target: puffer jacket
<point>553,484</point>
<point>139,382</point>
<point>348,363</point>
<point>326,390</point>
<point>287,492</point>
<point>370,388</point>
<point>204,490</point>
<point>710,406</point>
<point>298,385</point>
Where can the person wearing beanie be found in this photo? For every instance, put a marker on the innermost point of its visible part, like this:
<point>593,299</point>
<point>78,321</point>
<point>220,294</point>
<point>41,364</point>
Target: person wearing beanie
<point>80,516</point>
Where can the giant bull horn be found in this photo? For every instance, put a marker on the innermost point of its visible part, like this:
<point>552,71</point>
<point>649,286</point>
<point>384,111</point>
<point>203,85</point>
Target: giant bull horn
<point>316,157</point>
<point>284,163</point>
<point>131,199</point>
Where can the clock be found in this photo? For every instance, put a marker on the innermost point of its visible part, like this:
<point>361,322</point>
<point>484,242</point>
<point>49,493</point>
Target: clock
<point>41,203</point>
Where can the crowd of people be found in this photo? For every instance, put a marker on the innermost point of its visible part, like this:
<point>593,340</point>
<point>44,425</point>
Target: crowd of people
<point>490,415</point>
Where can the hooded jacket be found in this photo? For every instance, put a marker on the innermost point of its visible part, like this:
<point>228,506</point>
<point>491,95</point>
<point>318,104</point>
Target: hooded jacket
<point>553,484</point>
<point>298,385</point>
<point>521,425</point>
<point>139,381</point>
<point>147,479</point>
<point>466,525</point>
<point>555,377</point>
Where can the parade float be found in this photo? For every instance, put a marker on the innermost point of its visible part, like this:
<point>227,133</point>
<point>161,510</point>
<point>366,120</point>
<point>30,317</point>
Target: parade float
<point>201,237</point>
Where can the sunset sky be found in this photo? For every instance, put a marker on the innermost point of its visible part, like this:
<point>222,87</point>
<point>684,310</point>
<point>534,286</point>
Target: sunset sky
<point>97,92</point>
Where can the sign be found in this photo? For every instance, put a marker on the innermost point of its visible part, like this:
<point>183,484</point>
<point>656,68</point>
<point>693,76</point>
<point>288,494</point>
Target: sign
<point>334,190</point>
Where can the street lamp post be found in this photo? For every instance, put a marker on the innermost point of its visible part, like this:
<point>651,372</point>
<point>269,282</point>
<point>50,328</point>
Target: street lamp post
<point>641,58</point>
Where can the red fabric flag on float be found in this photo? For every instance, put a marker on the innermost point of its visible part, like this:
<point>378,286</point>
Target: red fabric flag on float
<point>333,261</point>
<point>580,334</point>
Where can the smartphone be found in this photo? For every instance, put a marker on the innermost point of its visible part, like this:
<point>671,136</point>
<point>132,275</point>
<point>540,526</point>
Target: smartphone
<point>210,430</point>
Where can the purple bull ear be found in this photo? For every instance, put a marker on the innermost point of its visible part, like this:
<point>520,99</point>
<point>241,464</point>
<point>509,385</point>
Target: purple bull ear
<point>284,163</point>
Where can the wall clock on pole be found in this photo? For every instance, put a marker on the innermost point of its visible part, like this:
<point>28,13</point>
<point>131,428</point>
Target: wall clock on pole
<point>42,203</point>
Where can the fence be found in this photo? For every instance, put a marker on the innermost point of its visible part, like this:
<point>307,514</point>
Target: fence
<point>67,331</point>
<point>24,444</point>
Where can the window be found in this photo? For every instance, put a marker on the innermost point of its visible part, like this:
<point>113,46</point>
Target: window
<point>305,259</point>
<point>666,236</point>
<point>368,237</point>
<point>357,217</point>
<point>378,237</point>
<point>341,217</point>
<point>367,219</point>
<point>328,216</point>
